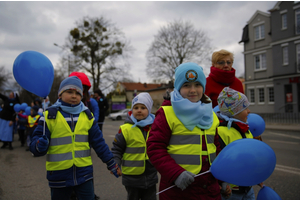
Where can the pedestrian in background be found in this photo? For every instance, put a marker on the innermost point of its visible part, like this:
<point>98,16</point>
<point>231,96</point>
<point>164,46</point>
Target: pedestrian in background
<point>71,131</point>
<point>221,75</point>
<point>233,114</point>
<point>8,118</point>
<point>103,106</point>
<point>21,126</point>
<point>129,148</point>
<point>183,141</point>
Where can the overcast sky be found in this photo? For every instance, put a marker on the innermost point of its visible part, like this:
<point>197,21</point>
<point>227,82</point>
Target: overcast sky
<point>37,25</point>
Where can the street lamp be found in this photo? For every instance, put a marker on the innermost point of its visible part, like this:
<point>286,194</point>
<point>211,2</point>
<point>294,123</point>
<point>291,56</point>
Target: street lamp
<point>63,48</point>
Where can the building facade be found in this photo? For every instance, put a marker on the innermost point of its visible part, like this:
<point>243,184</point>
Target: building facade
<point>272,59</point>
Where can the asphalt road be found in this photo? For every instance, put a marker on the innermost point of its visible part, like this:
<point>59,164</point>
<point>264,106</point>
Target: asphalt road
<point>23,177</point>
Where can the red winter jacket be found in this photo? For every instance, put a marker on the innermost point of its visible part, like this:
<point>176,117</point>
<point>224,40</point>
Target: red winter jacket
<point>217,80</point>
<point>205,187</point>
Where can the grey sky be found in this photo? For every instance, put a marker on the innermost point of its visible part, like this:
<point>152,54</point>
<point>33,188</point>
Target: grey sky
<point>37,25</point>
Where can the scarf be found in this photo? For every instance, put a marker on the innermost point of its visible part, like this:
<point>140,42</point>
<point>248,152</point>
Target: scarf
<point>221,76</point>
<point>192,114</point>
<point>230,120</point>
<point>142,123</point>
<point>68,108</point>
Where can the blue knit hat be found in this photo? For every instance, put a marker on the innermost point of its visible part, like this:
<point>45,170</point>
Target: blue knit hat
<point>189,72</point>
<point>71,83</point>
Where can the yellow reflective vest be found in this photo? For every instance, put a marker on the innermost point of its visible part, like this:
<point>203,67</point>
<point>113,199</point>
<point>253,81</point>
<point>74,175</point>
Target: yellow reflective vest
<point>185,146</point>
<point>135,155</point>
<point>32,121</point>
<point>231,135</point>
<point>68,148</point>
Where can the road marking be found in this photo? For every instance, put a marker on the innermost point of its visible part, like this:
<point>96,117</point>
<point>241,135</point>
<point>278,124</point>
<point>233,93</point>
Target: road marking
<point>284,135</point>
<point>296,143</point>
<point>291,170</point>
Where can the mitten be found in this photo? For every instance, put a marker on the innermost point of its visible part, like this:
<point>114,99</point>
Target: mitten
<point>42,144</point>
<point>184,179</point>
<point>113,167</point>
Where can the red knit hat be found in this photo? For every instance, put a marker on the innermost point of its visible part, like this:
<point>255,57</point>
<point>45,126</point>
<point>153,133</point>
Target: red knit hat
<point>84,79</point>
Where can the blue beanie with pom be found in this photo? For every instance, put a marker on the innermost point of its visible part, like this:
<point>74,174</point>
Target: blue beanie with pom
<point>189,72</point>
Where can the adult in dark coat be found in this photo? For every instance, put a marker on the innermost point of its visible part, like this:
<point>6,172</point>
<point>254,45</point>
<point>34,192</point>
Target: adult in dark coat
<point>7,119</point>
<point>103,106</point>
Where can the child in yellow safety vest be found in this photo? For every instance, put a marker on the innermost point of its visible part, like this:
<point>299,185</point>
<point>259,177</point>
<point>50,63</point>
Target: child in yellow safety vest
<point>233,114</point>
<point>129,148</point>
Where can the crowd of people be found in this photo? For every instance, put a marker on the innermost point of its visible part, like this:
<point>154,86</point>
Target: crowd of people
<point>180,142</point>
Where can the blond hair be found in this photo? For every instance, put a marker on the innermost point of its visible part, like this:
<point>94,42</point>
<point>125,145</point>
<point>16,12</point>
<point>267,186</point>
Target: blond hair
<point>219,55</point>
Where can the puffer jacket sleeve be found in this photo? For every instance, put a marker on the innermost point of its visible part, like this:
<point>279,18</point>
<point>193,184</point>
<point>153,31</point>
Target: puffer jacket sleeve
<point>119,147</point>
<point>157,144</point>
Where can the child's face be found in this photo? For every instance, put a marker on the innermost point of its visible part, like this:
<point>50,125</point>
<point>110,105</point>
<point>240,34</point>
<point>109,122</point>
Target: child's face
<point>192,91</point>
<point>242,116</point>
<point>140,111</point>
<point>71,97</point>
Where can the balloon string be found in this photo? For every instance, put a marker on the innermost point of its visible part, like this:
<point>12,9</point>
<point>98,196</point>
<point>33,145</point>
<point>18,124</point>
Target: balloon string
<point>44,129</point>
<point>175,185</point>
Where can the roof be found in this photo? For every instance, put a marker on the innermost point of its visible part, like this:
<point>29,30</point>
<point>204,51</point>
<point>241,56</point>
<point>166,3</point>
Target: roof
<point>140,86</point>
<point>257,13</point>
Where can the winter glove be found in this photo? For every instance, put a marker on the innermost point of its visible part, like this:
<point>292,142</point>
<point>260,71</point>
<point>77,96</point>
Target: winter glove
<point>184,179</point>
<point>42,144</point>
<point>113,167</point>
<point>225,190</point>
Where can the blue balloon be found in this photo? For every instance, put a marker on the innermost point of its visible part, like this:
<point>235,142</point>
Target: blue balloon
<point>244,162</point>
<point>266,193</point>
<point>40,113</point>
<point>24,106</point>
<point>216,109</point>
<point>34,72</point>
<point>27,110</point>
<point>17,107</point>
<point>256,124</point>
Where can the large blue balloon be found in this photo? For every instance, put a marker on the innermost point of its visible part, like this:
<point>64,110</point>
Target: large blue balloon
<point>27,110</point>
<point>17,107</point>
<point>34,72</point>
<point>216,109</point>
<point>24,106</point>
<point>256,124</point>
<point>266,193</point>
<point>244,162</point>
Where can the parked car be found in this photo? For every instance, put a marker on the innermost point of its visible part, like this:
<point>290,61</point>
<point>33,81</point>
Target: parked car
<point>119,115</point>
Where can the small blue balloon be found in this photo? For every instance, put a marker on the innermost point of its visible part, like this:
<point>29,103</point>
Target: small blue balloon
<point>34,72</point>
<point>40,113</point>
<point>244,162</point>
<point>216,109</point>
<point>266,193</point>
<point>17,107</point>
<point>27,110</point>
<point>24,106</point>
<point>256,124</point>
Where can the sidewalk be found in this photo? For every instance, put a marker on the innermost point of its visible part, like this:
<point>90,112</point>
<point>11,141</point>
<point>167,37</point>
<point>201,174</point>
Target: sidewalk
<point>288,127</point>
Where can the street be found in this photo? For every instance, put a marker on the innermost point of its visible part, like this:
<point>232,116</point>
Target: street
<point>24,177</point>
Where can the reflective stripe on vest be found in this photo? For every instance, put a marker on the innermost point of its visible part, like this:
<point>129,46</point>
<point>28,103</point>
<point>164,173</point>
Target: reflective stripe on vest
<point>32,120</point>
<point>68,148</point>
<point>135,155</point>
<point>185,146</point>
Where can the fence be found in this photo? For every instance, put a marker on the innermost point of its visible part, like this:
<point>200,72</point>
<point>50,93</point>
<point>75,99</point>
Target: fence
<point>281,118</point>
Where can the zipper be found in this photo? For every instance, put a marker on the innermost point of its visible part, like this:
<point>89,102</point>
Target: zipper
<point>73,152</point>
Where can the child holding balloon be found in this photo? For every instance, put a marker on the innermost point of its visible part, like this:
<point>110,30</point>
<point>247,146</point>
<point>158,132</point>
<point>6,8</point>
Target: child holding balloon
<point>183,141</point>
<point>66,133</point>
<point>233,106</point>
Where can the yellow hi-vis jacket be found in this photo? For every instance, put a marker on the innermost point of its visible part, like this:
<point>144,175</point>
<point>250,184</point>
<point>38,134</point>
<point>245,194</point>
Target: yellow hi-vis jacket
<point>33,120</point>
<point>135,155</point>
<point>231,135</point>
<point>185,146</point>
<point>66,147</point>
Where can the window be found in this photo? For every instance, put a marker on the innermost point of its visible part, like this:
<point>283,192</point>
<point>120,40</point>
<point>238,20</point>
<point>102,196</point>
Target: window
<point>261,95</point>
<point>298,57</point>
<point>260,32</point>
<point>285,56</point>
<point>260,61</point>
<point>297,13</point>
<point>251,96</point>
<point>271,94</point>
<point>284,21</point>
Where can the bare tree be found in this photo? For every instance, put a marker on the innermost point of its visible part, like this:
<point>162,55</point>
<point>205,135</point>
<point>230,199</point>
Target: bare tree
<point>4,77</point>
<point>176,43</point>
<point>99,49</point>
